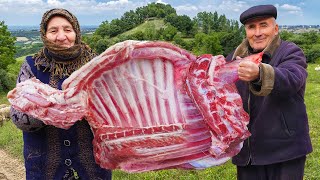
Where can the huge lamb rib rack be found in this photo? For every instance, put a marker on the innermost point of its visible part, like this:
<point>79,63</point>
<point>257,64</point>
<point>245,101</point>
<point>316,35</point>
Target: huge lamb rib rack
<point>151,105</point>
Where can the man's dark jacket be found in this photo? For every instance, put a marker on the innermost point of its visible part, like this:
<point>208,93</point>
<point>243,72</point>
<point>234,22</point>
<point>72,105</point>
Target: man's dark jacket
<point>278,118</point>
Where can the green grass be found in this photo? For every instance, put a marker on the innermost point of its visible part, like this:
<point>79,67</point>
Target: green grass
<point>3,98</point>
<point>22,58</point>
<point>11,141</point>
<point>154,24</point>
<point>226,171</point>
<point>312,100</point>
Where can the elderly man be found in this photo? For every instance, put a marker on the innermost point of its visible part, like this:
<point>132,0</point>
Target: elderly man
<point>273,95</point>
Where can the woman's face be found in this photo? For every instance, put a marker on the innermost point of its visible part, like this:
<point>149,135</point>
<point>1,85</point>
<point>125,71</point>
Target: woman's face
<point>60,32</point>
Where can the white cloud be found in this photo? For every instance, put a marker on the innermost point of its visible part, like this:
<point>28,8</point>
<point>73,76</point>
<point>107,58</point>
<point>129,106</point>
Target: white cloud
<point>231,8</point>
<point>75,6</point>
<point>291,9</point>
<point>96,11</point>
<point>161,2</point>
<point>232,5</point>
<point>186,8</point>
<point>117,3</point>
<point>55,3</point>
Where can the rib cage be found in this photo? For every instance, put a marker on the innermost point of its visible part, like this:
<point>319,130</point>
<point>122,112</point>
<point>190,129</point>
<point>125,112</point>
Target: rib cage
<point>156,122</point>
<point>133,97</point>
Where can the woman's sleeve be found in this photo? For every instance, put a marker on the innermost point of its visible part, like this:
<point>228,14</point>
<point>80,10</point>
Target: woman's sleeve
<point>22,120</point>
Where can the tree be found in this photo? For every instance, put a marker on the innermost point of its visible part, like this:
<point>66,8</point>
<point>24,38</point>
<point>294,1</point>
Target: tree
<point>204,21</point>
<point>230,40</point>
<point>312,53</point>
<point>169,32</point>
<point>207,44</point>
<point>103,29</point>
<point>7,51</point>
<point>131,19</point>
<point>212,44</point>
<point>286,35</point>
<point>7,48</point>
<point>183,23</point>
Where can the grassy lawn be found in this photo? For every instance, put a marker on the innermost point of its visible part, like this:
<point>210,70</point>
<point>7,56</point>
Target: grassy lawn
<point>3,98</point>
<point>154,24</point>
<point>11,141</point>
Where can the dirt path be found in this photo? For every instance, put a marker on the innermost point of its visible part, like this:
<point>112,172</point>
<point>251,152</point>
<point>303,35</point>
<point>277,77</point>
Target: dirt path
<point>10,168</point>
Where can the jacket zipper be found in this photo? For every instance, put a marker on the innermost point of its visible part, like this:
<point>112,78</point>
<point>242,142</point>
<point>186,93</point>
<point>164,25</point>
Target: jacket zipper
<point>249,159</point>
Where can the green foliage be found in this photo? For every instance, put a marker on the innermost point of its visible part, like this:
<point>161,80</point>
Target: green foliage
<point>132,19</point>
<point>103,30</point>
<point>309,42</point>
<point>307,38</point>
<point>3,98</point>
<point>7,51</point>
<point>312,52</point>
<point>207,44</point>
<point>209,22</point>
<point>183,43</point>
<point>7,81</point>
<point>150,25</point>
<point>183,23</point>
<point>27,49</point>
<point>285,35</point>
<point>14,69</point>
<point>230,41</point>
<point>151,33</point>
<point>7,48</point>
<point>168,33</point>
<point>221,34</point>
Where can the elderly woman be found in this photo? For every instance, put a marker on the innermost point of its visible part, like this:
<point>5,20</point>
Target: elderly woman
<point>50,152</point>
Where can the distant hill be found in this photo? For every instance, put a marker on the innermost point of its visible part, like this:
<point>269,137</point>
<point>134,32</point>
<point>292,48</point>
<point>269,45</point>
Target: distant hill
<point>153,23</point>
<point>36,28</point>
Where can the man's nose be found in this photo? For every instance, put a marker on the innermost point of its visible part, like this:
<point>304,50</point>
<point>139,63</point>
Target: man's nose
<point>257,32</point>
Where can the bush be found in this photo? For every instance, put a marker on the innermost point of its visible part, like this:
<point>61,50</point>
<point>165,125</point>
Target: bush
<point>7,81</point>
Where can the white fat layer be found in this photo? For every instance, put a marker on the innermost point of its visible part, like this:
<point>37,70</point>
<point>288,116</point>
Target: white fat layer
<point>211,70</point>
<point>208,162</point>
<point>151,89</point>
<point>171,93</point>
<point>137,86</point>
<point>119,141</point>
<point>98,103</point>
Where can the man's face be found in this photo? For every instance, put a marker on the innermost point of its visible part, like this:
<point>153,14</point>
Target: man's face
<point>260,32</point>
<point>60,32</point>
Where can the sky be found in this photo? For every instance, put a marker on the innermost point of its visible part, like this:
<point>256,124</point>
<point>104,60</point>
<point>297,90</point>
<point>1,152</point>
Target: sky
<point>94,12</point>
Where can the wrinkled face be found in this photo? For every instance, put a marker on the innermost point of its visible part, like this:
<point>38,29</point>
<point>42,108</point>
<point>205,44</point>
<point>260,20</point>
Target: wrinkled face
<point>260,32</point>
<point>60,32</point>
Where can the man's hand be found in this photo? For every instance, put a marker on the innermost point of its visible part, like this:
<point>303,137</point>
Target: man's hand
<point>248,71</point>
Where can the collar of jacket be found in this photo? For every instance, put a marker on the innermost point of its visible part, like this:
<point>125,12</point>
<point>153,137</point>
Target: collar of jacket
<point>243,49</point>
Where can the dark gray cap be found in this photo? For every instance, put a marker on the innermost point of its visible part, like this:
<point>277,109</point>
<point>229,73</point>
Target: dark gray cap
<point>258,11</point>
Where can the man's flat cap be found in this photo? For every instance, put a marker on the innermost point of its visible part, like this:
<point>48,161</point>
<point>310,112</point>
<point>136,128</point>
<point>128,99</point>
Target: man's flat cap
<point>258,11</point>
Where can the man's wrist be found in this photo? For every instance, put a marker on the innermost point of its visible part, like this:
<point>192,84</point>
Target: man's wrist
<point>258,80</point>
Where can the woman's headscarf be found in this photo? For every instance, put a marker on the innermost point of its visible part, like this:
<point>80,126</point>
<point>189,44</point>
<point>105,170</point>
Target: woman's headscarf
<point>61,61</point>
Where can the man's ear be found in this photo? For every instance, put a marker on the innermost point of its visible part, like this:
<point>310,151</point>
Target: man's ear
<point>276,29</point>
